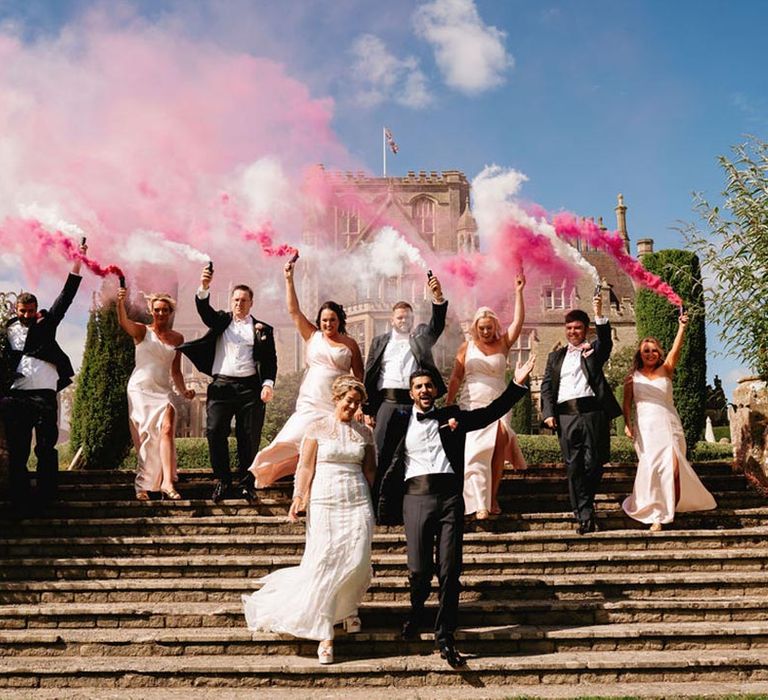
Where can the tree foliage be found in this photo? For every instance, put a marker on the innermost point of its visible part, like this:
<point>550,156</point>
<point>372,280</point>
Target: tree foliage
<point>100,411</point>
<point>658,318</point>
<point>733,246</point>
<point>521,417</point>
<point>282,406</point>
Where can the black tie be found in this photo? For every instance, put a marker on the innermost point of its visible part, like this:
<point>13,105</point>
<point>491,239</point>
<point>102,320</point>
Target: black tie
<point>429,415</point>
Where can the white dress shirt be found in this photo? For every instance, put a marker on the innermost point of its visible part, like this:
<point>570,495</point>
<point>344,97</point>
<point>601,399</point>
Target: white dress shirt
<point>37,374</point>
<point>397,362</point>
<point>573,381</point>
<point>424,453</point>
<point>234,348</point>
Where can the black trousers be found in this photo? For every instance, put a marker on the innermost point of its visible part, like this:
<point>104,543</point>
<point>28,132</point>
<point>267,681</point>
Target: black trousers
<point>389,430</point>
<point>25,411</point>
<point>434,532</point>
<point>238,398</point>
<point>582,437</point>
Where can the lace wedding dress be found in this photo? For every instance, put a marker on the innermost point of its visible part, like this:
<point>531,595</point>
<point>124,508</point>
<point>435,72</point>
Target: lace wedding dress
<point>335,570</point>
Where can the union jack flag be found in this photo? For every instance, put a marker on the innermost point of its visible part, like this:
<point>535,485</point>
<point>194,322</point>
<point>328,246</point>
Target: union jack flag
<point>390,141</point>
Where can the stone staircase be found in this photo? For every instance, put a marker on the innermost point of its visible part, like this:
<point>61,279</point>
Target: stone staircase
<point>109,597</point>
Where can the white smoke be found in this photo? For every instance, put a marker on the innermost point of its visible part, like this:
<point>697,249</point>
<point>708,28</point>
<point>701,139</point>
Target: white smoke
<point>151,247</point>
<point>495,192</point>
<point>388,253</point>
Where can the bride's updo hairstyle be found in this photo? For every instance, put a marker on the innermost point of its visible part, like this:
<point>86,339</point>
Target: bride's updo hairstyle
<point>345,383</point>
<point>480,314</point>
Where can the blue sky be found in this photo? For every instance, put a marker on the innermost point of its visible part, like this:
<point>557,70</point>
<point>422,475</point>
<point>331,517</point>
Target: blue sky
<point>588,97</point>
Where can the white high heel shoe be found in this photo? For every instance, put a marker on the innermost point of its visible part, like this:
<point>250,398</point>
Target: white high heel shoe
<point>352,624</point>
<point>325,652</point>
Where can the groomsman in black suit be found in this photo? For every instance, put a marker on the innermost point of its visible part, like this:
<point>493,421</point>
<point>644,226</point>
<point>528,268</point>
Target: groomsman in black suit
<point>577,402</point>
<point>239,353</point>
<point>392,358</point>
<point>39,369</point>
<point>423,489</point>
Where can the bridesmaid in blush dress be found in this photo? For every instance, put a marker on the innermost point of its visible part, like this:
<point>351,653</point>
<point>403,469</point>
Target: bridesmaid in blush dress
<point>151,411</point>
<point>665,482</point>
<point>330,352</point>
<point>481,364</point>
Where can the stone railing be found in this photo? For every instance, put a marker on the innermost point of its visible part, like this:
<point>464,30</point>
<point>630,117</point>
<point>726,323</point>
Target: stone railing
<point>749,430</point>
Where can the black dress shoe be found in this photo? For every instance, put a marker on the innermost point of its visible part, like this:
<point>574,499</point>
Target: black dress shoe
<point>410,631</point>
<point>248,494</point>
<point>449,653</point>
<point>219,491</point>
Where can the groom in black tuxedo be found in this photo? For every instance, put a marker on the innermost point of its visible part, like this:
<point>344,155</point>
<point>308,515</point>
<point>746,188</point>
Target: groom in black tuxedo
<point>577,402</point>
<point>423,489</point>
<point>238,351</point>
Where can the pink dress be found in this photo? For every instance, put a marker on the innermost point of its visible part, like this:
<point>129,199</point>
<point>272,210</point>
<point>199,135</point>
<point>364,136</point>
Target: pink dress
<point>483,382</point>
<point>659,439</point>
<point>325,362</point>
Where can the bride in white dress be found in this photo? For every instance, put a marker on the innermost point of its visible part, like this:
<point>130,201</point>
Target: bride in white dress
<point>480,369</point>
<point>336,470</point>
<point>665,482</point>
<point>151,412</point>
<point>330,352</point>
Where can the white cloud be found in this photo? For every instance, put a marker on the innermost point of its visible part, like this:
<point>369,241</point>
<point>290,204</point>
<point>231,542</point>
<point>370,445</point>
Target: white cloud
<point>381,76</point>
<point>470,54</point>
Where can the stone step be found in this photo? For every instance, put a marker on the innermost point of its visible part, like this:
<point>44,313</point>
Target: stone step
<point>475,542</point>
<point>393,589</point>
<point>529,484</point>
<point>126,476</point>
<point>515,503</point>
<point>427,671</point>
<point>387,615</point>
<point>526,563</point>
<point>242,521</point>
<point>480,641</point>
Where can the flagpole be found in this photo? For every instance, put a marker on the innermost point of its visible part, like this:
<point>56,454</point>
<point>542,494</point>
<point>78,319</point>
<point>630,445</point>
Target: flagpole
<point>384,148</point>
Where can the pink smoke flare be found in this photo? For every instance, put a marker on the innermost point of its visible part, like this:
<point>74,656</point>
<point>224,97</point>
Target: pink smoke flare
<point>571,229</point>
<point>19,229</point>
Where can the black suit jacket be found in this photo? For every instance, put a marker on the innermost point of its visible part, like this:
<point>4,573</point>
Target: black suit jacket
<point>41,338</point>
<point>390,505</point>
<point>422,339</point>
<point>592,365</point>
<point>202,351</point>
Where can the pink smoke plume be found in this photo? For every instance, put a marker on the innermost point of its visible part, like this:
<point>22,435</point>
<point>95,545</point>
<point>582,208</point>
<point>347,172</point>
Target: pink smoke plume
<point>572,229</point>
<point>120,127</point>
<point>264,234</point>
<point>20,229</point>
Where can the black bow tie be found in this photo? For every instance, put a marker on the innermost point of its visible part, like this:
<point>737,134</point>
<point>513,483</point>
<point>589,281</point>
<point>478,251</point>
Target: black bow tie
<point>429,415</point>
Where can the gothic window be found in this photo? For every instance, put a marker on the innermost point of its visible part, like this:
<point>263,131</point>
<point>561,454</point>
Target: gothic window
<point>424,216</point>
<point>391,289</point>
<point>347,226</point>
<point>554,296</point>
<point>356,331</point>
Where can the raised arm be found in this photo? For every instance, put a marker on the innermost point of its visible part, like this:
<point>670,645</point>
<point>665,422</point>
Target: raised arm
<point>439,309</point>
<point>203,299</point>
<point>137,331</point>
<point>457,374</point>
<point>513,332</point>
<point>673,356</point>
<point>305,327</point>
<point>629,387</point>
<point>302,482</point>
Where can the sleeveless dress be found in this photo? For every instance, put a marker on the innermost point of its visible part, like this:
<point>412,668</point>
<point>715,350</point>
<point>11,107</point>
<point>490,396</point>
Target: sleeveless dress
<point>335,569</point>
<point>325,362</point>
<point>483,382</point>
<point>149,395</point>
<point>659,438</point>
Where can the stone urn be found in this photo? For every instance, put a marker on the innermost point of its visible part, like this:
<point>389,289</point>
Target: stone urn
<point>749,430</point>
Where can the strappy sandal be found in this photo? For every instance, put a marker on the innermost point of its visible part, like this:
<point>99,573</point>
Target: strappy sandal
<point>172,495</point>
<point>142,496</point>
<point>325,653</point>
